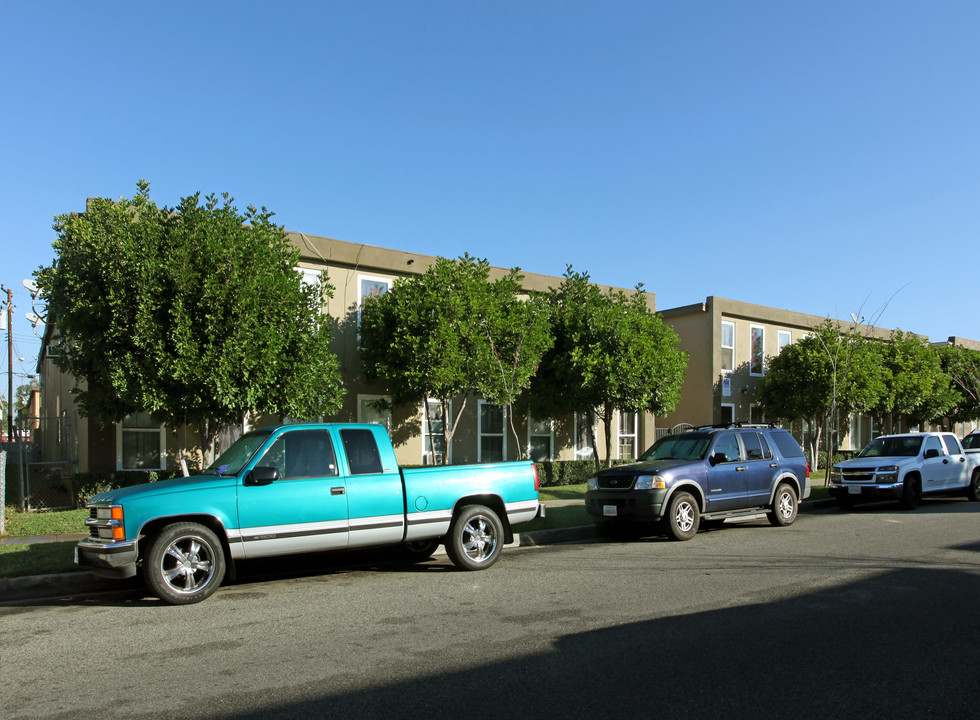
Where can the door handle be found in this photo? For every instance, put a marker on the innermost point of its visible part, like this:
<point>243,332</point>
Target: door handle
<point>337,491</point>
<point>740,468</point>
<point>773,465</point>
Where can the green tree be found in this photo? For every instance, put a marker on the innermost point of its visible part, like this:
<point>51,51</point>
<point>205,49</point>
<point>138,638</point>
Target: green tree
<point>419,338</point>
<point>916,387</point>
<point>517,333</point>
<point>610,352</point>
<point>962,366</point>
<point>830,372</point>
<point>194,314</point>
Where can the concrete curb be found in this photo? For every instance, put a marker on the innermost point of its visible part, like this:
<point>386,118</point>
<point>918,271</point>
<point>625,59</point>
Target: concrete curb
<point>46,587</point>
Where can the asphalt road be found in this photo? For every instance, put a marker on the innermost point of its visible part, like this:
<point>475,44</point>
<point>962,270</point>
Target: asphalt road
<point>874,613</point>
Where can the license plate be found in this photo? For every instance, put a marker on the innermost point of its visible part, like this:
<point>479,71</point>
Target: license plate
<point>853,490</point>
<point>609,510</point>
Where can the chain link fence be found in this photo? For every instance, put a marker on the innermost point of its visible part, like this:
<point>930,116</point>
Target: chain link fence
<point>40,464</point>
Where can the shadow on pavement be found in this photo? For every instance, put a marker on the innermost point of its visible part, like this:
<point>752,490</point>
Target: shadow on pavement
<point>902,644</point>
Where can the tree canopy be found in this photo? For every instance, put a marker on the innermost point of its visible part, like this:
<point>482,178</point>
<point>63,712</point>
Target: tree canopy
<point>831,371</point>
<point>610,352</point>
<point>450,331</point>
<point>195,314</point>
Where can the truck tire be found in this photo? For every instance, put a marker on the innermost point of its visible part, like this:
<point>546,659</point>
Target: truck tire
<point>911,493</point>
<point>973,491</point>
<point>784,506</point>
<point>185,564</point>
<point>476,538</point>
<point>683,517</point>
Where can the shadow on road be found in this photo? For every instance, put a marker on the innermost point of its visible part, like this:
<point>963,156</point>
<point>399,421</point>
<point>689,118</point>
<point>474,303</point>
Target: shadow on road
<point>902,644</point>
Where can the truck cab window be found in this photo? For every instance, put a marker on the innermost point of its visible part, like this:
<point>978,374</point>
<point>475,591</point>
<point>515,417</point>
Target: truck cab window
<point>302,453</point>
<point>362,451</point>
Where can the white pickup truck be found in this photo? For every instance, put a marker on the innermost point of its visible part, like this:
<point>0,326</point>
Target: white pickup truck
<point>906,467</point>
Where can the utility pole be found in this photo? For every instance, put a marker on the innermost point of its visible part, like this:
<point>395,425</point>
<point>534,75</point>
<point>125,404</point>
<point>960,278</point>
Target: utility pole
<point>10,362</point>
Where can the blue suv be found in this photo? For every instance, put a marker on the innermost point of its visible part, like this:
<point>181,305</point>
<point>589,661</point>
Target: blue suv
<point>711,473</point>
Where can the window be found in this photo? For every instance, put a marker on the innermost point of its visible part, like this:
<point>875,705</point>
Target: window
<point>757,343</point>
<point>433,448</point>
<point>727,346</point>
<point>369,412</point>
<point>493,442</point>
<point>368,286</point>
<point>932,443</point>
<point>583,439</point>
<point>308,276</point>
<point>141,443</point>
<point>627,436</point>
<point>756,447</point>
<point>727,445</point>
<point>362,451</point>
<point>756,414</point>
<point>727,413</point>
<point>952,445</point>
<point>301,454</point>
<point>783,338</point>
<point>862,431</point>
<point>541,439</point>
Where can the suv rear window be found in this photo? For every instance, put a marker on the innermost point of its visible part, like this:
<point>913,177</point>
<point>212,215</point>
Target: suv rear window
<point>788,447</point>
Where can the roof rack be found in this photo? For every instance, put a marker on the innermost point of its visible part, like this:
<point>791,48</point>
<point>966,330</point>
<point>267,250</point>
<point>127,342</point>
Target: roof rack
<point>726,426</point>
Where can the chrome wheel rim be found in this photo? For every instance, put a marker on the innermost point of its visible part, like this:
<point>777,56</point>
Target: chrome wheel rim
<point>684,516</point>
<point>786,505</point>
<point>479,539</point>
<point>187,565</point>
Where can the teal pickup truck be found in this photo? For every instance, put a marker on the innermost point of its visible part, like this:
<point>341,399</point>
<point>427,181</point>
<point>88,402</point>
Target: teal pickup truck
<point>302,488</point>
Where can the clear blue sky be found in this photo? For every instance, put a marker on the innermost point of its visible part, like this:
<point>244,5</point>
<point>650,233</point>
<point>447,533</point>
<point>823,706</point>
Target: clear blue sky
<point>821,157</point>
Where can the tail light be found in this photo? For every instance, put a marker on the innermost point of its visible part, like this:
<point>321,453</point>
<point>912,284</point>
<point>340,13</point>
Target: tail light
<point>537,482</point>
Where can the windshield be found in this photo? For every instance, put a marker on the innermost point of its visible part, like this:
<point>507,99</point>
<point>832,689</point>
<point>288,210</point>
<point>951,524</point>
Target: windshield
<point>907,446</point>
<point>232,460</point>
<point>972,442</point>
<point>688,446</point>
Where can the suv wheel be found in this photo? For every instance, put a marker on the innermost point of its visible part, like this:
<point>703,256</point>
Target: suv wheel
<point>784,506</point>
<point>683,517</point>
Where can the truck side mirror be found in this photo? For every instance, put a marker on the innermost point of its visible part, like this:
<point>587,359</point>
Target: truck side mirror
<point>931,453</point>
<point>717,458</point>
<point>262,475</point>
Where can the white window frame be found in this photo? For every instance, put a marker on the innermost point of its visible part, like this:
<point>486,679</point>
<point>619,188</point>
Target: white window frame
<point>584,452</point>
<point>428,455</point>
<point>783,338</point>
<point>752,408</point>
<point>362,411</point>
<point>308,276</point>
<point>762,359</point>
<point>160,430</point>
<point>550,436</point>
<point>480,434</point>
<point>725,348</point>
<point>361,279</point>
<point>728,405</point>
<point>620,434</point>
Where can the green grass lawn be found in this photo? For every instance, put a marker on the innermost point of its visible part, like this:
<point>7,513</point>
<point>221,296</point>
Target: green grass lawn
<point>19,560</point>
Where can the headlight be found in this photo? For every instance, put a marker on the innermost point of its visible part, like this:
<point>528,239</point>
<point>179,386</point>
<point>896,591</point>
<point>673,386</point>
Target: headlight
<point>592,484</point>
<point>834,475</point>
<point>888,474</point>
<point>650,482</point>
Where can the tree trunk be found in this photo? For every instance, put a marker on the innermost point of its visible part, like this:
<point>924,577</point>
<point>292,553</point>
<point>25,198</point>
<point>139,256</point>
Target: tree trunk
<point>447,431</point>
<point>607,416</point>
<point>180,452</point>
<point>590,418</point>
